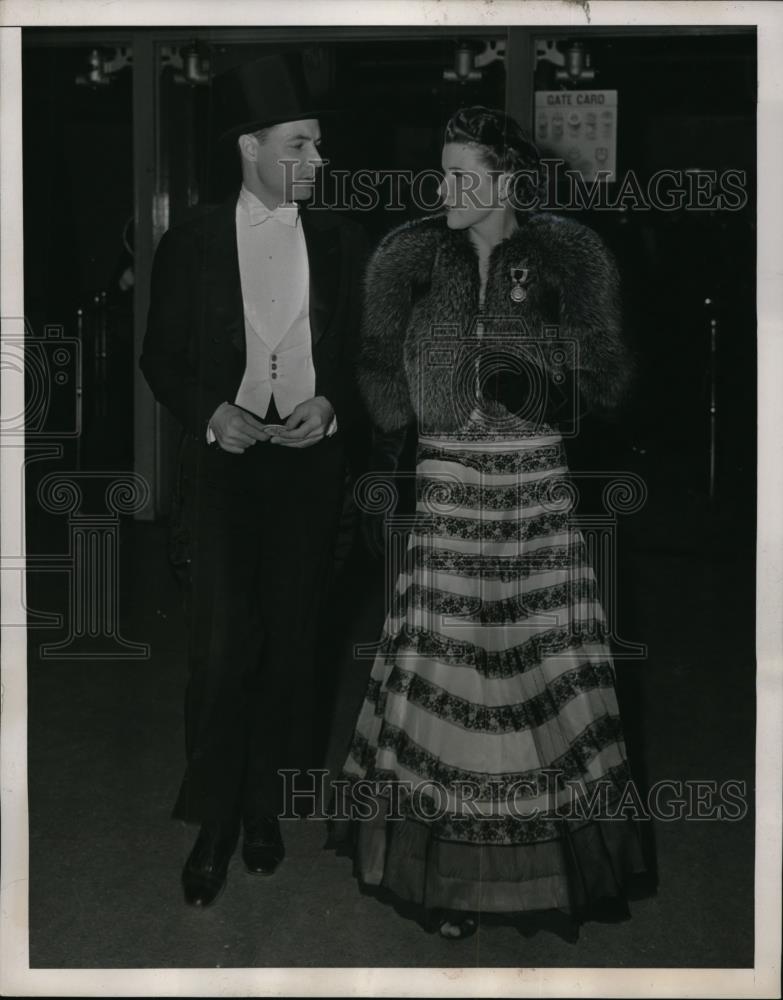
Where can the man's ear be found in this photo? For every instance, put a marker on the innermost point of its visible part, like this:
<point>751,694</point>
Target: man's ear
<point>248,147</point>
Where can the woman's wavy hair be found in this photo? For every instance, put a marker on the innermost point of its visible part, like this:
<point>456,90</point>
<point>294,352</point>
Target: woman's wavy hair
<point>504,146</point>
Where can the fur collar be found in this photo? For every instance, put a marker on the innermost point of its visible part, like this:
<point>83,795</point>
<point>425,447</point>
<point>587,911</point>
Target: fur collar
<point>422,303</point>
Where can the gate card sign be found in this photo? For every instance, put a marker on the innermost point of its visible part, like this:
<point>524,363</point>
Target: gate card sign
<point>580,127</point>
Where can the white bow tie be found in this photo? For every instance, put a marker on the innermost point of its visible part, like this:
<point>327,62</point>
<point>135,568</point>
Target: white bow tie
<point>287,214</point>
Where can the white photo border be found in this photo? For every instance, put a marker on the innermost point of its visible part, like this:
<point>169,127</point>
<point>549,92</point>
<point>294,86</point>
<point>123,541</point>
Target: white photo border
<point>763,980</point>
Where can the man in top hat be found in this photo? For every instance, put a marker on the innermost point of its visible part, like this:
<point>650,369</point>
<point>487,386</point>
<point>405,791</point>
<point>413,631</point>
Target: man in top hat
<point>253,308</point>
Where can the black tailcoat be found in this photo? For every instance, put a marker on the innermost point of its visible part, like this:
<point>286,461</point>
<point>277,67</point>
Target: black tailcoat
<point>264,521</point>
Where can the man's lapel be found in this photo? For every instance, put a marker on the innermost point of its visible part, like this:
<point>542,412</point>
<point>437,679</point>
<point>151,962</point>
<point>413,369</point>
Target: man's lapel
<point>323,253</point>
<point>222,273</point>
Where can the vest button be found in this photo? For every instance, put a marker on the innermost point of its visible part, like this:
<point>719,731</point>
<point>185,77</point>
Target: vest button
<point>273,375</point>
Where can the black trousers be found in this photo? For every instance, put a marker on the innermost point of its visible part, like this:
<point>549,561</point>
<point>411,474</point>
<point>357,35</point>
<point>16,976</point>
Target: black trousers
<point>265,528</point>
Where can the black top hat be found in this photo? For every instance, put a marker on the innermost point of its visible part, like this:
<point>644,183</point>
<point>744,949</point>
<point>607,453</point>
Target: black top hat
<point>258,94</point>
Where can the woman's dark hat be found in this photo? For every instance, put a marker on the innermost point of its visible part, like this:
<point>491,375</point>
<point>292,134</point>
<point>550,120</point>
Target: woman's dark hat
<point>261,93</point>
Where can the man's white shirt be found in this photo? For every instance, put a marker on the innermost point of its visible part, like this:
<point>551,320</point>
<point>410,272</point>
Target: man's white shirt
<point>275,279</point>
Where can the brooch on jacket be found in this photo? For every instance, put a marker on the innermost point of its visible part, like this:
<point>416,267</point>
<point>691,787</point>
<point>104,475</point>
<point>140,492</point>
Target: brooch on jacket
<point>519,276</point>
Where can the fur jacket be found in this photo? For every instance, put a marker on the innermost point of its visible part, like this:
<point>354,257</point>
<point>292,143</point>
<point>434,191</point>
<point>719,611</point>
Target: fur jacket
<point>421,340</point>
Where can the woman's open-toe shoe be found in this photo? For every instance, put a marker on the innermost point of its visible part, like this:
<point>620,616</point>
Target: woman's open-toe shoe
<point>455,926</point>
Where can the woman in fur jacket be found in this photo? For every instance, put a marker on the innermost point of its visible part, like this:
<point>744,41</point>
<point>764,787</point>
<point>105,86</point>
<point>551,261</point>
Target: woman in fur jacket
<point>488,755</point>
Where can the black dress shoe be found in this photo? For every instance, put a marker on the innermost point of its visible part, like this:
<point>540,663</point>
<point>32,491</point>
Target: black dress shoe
<point>204,874</point>
<point>262,848</point>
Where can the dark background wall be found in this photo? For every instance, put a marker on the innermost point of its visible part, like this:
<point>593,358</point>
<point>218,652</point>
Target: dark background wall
<point>78,225</point>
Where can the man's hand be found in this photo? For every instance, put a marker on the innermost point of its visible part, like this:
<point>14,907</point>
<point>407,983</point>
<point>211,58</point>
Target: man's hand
<point>307,425</point>
<point>235,430</point>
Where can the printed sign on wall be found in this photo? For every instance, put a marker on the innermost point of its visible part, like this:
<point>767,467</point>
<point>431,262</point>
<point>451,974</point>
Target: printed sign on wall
<point>579,126</point>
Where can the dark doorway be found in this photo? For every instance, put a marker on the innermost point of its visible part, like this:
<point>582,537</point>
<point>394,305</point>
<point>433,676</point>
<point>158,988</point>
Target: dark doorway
<point>78,228</point>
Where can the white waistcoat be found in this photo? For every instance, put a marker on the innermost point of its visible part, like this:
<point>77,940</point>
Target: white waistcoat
<point>276,299</point>
<point>283,370</point>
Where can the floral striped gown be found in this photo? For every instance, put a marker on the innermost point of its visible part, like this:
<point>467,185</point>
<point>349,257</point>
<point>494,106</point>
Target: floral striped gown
<point>487,763</point>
